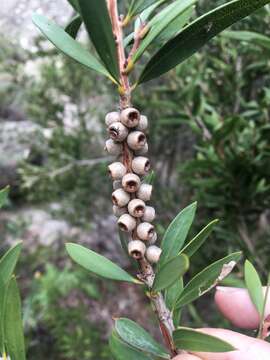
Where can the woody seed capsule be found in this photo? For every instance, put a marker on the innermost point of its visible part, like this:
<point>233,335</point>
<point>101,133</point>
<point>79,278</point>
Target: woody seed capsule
<point>140,165</point>
<point>112,117</point>
<point>154,239</point>
<point>136,140</point>
<point>153,254</point>
<point>136,208</point>
<point>145,231</point>
<point>130,117</point>
<point>136,249</point>
<point>131,182</point>
<point>120,197</point>
<point>113,147</point>
<point>142,151</point>
<point>149,214</point>
<point>145,192</point>
<point>126,223</point>
<point>143,123</point>
<point>117,170</point>
<point>118,132</point>
<point>119,211</point>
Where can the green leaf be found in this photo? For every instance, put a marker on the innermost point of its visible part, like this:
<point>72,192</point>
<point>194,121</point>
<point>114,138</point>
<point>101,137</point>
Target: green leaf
<point>199,239</point>
<point>13,328</point>
<point>193,340</point>
<point>74,4</point>
<point>168,273</point>
<point>73,26</point>
<point>173,293</point>
<point>134,335</point>
<point>9,261</point>
<point>176,233</point>
<point>197,34</point>
<point>150,178</point>
<point>138,6</point>
<point>175,26</point>
<point>98,264</point>
<point>67,45</point>
<point>254,286</point>
<point>208,278</point>
<point>249,36</point>
<point>98,24</point>
<point>3,196</point>
<point>160,22</point>
<point>122,351</point>
<point>2,311</point>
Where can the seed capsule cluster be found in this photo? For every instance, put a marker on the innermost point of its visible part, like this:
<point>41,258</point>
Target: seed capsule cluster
<point>130,194</point>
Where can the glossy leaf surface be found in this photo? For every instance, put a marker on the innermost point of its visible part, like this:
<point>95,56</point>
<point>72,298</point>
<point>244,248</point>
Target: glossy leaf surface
<point>254,286</point>
<point>9,261</point>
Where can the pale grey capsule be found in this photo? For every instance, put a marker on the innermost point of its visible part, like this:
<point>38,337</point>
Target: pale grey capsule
<point>154,239</point>
<point>136,249</point>
<point>112,117</point>
<point>130,117</point>
<point>149,214</point>
<point>126,223</point>
<point>143,123</point>
<point>117,170</point>
<point>120,197</point>
<point>131,182</point>
<point>145,192</point>
<point>118,132</point>
<point>136,208</point>
<point>140,165</point>
<point>153,254</point>
<point>119,211</point>
<point>136,140</point>
<point>113,147</point>
<point>142,151</point>
<point>145,231</point>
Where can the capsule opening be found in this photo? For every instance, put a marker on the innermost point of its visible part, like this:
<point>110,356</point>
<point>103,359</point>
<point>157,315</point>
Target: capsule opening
<point>133,115</point>
<point>136,254</point>
<point>122,226</point>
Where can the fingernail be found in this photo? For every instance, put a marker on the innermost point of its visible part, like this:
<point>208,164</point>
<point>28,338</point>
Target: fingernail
<point>226,289</point>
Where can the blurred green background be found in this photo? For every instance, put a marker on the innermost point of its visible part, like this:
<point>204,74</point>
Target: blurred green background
<point>210,142</point>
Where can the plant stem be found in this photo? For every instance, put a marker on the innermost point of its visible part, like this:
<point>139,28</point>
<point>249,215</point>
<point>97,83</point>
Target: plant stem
<point>147,274</point>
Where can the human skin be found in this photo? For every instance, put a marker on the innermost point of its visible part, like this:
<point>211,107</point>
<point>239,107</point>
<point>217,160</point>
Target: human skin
<point>236,306</point>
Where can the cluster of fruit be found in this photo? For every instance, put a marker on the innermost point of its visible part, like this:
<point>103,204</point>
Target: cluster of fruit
<point>127,133</point>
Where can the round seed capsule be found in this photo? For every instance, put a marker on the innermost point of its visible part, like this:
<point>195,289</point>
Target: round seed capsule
<point>119,211</point>
<point>112,117</point>
<point>126,223</point>
<point>118,132</point>
<point>154,239</point>
<point>136,249</point>
<point>113,147</point>
<point>136,140</point>
<point>117,170</point>
<point>140,165</point>
<point>131,182</point>
<point>153,254</point>
<point>145,231</point>
<point>149,214</point>
<point>145,192</point>
<point>120,197</point>
<point>142,151</point>
<point>136,208</point>
<point>130,117</point>
<point>143,123</point>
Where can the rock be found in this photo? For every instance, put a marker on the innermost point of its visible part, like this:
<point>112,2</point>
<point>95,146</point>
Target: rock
<point>22,140</point>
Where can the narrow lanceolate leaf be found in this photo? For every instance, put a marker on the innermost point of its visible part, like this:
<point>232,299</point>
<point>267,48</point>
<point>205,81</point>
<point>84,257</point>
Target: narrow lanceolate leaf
<point>199,239</point>
<point>74,4</point>
<point>160,22</point>
<point>193,340</point>
<point>9,261</point>
<point>197,34</point>
<point>254,286</point>
<point>176,233</point>
<point>3,196</point>
<point>208,278</point>
<point>67,45</point>
<point>135,336</point>
<point>122,351</point>
<point>98,264</point>
<point>73,26</point>
<point>173,293</point>
<point>98,24</point>
<point>249,36</point>
<point>138,6</point>
<point>170,272</point>
<point>2,311</point>
<point>13,328</point>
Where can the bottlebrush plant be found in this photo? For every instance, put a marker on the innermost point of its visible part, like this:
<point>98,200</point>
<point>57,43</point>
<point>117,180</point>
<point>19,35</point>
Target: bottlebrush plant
<point>159,35</point>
